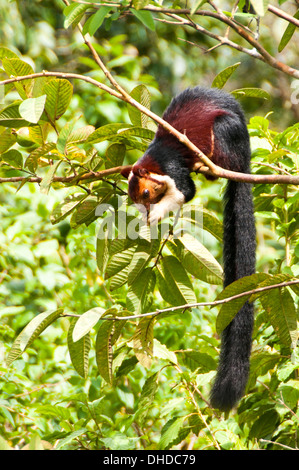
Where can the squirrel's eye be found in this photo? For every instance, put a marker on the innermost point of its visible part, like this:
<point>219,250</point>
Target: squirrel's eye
<point>145,194</point>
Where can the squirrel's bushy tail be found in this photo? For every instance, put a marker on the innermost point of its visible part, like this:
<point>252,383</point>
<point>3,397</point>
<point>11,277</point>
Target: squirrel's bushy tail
<point>239,261</point>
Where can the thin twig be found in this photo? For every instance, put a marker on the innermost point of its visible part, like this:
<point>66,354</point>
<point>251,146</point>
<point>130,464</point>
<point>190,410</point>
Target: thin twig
<point>201,304</point>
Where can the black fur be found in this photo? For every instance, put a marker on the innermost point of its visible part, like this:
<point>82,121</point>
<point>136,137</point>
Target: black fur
<point>173,165</point>
<point>196,111</point>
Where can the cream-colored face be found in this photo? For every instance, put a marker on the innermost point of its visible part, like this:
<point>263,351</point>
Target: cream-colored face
<point>148,191</point>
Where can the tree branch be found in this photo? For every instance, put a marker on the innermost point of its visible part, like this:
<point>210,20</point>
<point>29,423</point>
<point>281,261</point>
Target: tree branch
<point>205,304</point>
<point>209,168</point>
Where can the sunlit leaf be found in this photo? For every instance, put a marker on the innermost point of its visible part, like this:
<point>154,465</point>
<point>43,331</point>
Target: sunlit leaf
<point>32,108</point>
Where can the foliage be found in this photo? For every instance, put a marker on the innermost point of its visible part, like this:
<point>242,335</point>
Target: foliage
<point>84,367</point>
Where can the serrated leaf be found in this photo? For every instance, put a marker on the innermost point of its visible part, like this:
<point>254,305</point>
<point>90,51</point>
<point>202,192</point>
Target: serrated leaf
<point>162,352</point>
<point>170,432</point>
<point>199,261</point>
<point>32,108</point>
<point>174,283</point>
<point>17,68</point>
<point>141,94</point>
<point>222,77</point>
<point>34,328</point>
<point>79,350</point>
<point>145,17</point>
<point>140,293</point>
<point>86,322</point>
<point>251,93</point>
<point>59,93</point>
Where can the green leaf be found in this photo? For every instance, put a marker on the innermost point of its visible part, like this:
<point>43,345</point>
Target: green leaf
<point>47,180</point>
<point>43,151</point>
<point>115,155</point>
<point>10,117</point>
<point>140,293</point>
<point>79,350</point>
<point>264,425</point>
<point>138,132</point>
<point>140,260</point>
<point>230,309</point>
<point>86,322</point>
<point>104,350</point>
<point>174,283</point>
<point>13,158</point>
<point>145,17</point>
<point>170,432</point>
<point>59,93</point>
<point>222,77</point>
<point>7,139</point>
<point>74,14</point>
<point>106,132</point>
<point>6,53</point>
<point>95,21</point>
<point>18,68</point>
<point>199,261</point>
<point>251,93</point>
<point>102,250</point>
<point>279,305</point>
<point>287,35</point>
<point>32,108</point>
<point>144,340</point>
<point>34,328</point>
<point>64,135</point>
<point>162,352</point>
<point>202,219</point>
<point>141,94</point>
<point>119,261</point>
<point>66,207</point>
<point>147,396</point>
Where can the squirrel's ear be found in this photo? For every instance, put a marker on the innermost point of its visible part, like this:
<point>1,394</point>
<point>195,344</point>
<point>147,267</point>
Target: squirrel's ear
<point>141,172</point>
<point>126,171</point>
